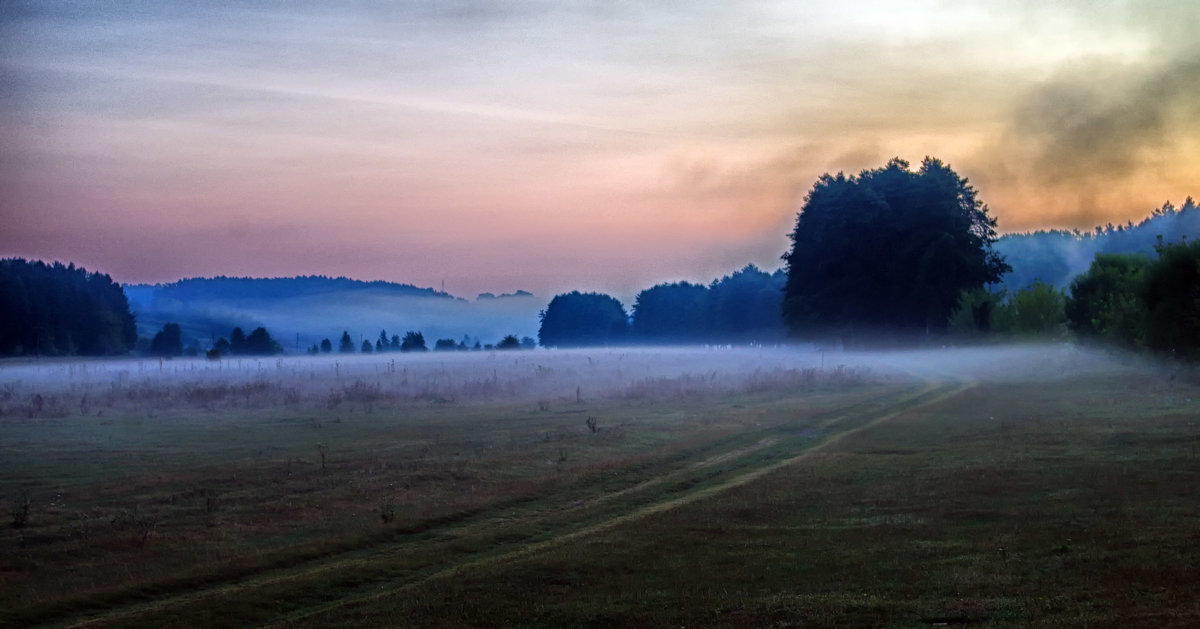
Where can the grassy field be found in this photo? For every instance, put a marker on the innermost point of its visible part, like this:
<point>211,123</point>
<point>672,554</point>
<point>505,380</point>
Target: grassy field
<point>1044,486</point>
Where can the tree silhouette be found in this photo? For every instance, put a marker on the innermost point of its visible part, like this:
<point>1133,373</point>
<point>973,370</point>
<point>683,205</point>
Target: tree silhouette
<point>346,345</point>
<point>260,343</point>
<point>413,342</point>
<point>670,313</point>
<point>237,342</point>
<point>56,309</point>
<point>168,341</point>
<point>326,346</point>
<point>581,319</point>
<point>1171,292</point>
<point>887,252</point>
<point>1105,303</point>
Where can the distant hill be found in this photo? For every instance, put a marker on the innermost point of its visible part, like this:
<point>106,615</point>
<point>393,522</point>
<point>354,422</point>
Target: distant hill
<point>271,288</point>
<point>300,311</point>
<point>1055,257</point>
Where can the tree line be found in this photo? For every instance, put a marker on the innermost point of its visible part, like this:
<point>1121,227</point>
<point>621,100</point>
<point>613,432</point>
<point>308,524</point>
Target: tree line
<point>741,307</point>
<point>1129,300</point>
<point>415,342</point>
<point>902,255</point>
<point>57,310</point>
<point>1057,256</point>
<point>892,254</point>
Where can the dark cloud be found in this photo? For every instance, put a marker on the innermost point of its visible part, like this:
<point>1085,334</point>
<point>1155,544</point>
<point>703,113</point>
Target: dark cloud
<point>1095,122</point>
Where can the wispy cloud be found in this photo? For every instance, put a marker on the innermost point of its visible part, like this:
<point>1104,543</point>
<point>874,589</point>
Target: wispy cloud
<point>642,139</point>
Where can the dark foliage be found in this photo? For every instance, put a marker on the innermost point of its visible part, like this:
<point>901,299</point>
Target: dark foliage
<point>672,313</point>
<point>237,342</point>
<point>887,252</point>
<point>413,342</point>
<point>346,344</point>
<point>743,306</point>
<point>260,343</point>
<point>167,342</point>
<point>1133,301</point>
<point>1057,256</point>
<point>578,319</point>
<point>1105,302</point>
<point>509,342</point>
<point>52,309</point>
<point>1171,293</point>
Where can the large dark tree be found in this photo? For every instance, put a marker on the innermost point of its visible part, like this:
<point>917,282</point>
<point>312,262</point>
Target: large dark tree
<point>580,319</point>
<point>58,309</point>
<point>887,252</point>
<point>670,313</point>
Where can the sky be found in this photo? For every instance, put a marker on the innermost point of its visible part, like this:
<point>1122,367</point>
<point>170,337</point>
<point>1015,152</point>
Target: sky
<point>553,146</point>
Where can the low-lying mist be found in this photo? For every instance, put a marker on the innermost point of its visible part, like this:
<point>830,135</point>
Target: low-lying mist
<point>56,388</point>
<point>301,320</point>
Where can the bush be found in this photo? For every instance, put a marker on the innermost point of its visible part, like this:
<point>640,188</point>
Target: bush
<point>1105,302</point>
<point>1033,311</point>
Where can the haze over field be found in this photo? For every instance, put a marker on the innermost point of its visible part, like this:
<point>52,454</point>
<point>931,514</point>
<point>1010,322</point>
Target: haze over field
<point>524,145</point>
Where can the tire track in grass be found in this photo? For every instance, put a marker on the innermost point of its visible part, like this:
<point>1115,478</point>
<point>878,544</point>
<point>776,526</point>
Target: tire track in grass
<point>933,396</point>
<point>369,567</point>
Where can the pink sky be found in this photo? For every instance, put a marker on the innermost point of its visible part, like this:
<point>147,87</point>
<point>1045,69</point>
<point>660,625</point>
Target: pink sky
<point>523,145</point>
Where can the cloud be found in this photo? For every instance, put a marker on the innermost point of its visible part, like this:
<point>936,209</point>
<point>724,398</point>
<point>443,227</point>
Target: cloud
<point>1091,122</point>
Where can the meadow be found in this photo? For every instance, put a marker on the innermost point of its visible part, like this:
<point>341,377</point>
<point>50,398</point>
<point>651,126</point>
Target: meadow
<point>1046,485</point>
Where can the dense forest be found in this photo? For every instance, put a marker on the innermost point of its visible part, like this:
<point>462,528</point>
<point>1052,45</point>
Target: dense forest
<point>57,310</point>
<point>1055,257</point>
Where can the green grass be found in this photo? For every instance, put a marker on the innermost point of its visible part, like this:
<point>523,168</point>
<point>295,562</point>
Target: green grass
<point>964,498</point>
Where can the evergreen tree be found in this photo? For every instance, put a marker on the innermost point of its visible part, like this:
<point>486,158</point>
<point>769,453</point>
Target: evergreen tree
<point>237,342</point>
<point>346,345</point>
<point>52,309</point>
